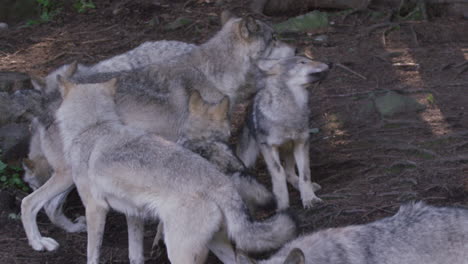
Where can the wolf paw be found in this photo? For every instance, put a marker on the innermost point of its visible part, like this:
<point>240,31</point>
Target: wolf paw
<point>78,226</point>
<point>42,243</point>
<point>309,203</point>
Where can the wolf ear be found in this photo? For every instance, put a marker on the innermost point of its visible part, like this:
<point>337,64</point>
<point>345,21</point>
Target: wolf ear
<point>196,102</point>
<point>220,110</point>
<point>38,83</point>
<point>248,26</point>
<point>241,258</point>
<point>111,86</point>
<point>64,85</point>
<point>28,164</point>
<point>296,256</point>
<point>70,70</point>
<point>225,16</point>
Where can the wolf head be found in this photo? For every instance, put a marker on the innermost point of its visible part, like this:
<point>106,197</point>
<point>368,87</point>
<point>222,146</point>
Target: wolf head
<point>299,71</point>
<point>253,39</point>
<point>49,84</point>
<point>36,171</point>
<point>207,121</point>
<point>296,256</point>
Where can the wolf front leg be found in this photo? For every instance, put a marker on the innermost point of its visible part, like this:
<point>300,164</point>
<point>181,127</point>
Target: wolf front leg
<point>278,175</point>
<point>306,186</point>
<point>60,182</point>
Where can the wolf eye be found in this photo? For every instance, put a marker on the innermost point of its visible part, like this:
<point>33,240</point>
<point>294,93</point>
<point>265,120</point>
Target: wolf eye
<point>303,62</point>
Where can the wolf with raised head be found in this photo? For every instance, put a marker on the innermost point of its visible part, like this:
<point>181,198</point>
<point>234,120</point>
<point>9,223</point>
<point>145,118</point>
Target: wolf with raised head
<point>142,175</point>
<point>417,234</point>
<point>278,122</point>
<point>155,97</point>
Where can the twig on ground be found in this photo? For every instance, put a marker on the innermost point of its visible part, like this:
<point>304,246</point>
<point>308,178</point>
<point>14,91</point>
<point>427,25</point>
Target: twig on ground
<point>372,28</point>
<point>351,71</point>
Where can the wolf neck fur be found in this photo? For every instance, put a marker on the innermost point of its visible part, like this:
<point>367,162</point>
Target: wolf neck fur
<point>71,129</point>
<point>234,74</point>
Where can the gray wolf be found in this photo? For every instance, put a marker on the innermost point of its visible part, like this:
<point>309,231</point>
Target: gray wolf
<point>279,118</point>
<point>38,171</point>
<point>155,97</point>
<point>417,234</point>
<point>142,175</point>
<point>45,133</point>
<point>206,133</point>
<point>146,53</point>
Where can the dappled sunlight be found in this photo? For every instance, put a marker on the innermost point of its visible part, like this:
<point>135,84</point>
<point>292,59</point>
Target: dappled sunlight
<point>409,70</point>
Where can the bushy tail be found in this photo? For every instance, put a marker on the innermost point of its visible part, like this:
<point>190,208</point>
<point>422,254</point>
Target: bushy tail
<point>255,236</point>
<point>254,194</point>
<point>247,149</point>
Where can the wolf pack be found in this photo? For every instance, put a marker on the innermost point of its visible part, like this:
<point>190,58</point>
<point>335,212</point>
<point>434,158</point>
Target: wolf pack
<point>146,133</point>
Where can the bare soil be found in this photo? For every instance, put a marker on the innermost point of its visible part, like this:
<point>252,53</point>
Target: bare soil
<point>367,164</point>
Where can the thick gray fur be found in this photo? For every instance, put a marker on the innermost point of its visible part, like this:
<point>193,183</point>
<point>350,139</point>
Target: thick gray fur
<point>417,234</point>
<point>278,122</point>
<point>45,152</point>
<point>145,176</point>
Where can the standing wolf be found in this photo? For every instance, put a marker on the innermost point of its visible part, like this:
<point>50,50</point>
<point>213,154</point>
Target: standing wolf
<point>417,234</point>
<point>142,175</point>
<point>279,118</point>
<point>155,98</point>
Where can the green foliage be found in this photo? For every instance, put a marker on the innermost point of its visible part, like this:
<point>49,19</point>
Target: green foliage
<point>430,98</point>
<point>10,177</point>
<point>83,5</point>
<point>48,9</point>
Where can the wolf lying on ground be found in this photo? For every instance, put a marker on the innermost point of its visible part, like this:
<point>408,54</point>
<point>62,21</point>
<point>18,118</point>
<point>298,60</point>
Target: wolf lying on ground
<point>279,118</point>
<point>155,98</point>
<point>142,175</point>
<point>417,234</point>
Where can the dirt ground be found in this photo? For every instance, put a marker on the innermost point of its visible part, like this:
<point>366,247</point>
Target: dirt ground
<point>367,164</point>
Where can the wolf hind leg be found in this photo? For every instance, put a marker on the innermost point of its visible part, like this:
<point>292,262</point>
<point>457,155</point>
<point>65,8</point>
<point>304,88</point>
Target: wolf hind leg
<point>54,210</point>
<point>136,228</point>
<point>188,229</point>
<point>60,182</point>
<point>222,247</point>
<point>306,186</point>
<point>278,175</point>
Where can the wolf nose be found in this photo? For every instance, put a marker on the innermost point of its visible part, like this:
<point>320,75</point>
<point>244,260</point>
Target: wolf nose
<point>329,64</point>
<point>296,51</point>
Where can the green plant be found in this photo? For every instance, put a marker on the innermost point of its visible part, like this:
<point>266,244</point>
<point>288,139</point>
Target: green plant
<point>10,177</point>
<point>48,9</point>
<point>83,5</point>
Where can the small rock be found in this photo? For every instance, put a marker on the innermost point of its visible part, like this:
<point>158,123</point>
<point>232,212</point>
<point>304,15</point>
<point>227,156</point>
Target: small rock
<point>14,139</point>
<point>393,103</point>
<point>3,26</point>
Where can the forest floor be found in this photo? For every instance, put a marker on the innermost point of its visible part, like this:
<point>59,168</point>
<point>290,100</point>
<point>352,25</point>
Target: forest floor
<point>368,163</point>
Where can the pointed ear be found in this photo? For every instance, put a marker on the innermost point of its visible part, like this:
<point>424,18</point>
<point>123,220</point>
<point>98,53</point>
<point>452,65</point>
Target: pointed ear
<point>226,15</point>
<point>64,85</point>
<point>241,258</point>
<point>111,86</point>
<point>296,256</point>
<point>28,164</point>
<point>196,103</point>
<point>248,26</point>
<point>38,83</point>
<point>220,110</point>
<point>70,70</point>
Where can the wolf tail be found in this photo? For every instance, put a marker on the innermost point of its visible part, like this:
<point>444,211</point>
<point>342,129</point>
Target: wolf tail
<point>254,194</point>
<point>255,236</point>
<point>247,149</point>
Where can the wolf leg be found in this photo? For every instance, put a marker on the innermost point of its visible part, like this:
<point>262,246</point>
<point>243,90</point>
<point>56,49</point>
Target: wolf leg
<point>136,228</point>
<point>54,210</point>
<point>306,186</point>
<point>221,246</point>
<point>60,182</point>
<point>189,225</point>
<point>96,220</point>
<point>290,168</point>
<point>278,175</point>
